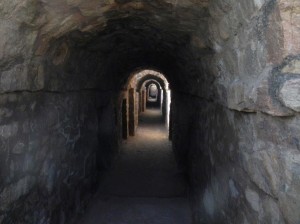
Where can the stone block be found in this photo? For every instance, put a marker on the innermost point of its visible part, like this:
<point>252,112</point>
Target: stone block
<point>253,199</point>
<point>20,10</point>
<point>290,206</point>
<point>224,29</point>
<point>15,79</point>
<point>48,174</point>
<point>293,67</point>
<point>9,130</point>
<point>259,3</point>
<point>9,43</point>
<point>289,197</point>
<point>39,80</point>
<point>271,212</point>
<point>266,103</point>
<point>14,191</point>
<point>290,94</point>
<point>233,190</point>
<point>2,218</point>
<point>19,148</point>
<point>29,164</point>
<point>290,19</point>
<point>209,203</point>
<point>264,170</point>
<point>238,98</point>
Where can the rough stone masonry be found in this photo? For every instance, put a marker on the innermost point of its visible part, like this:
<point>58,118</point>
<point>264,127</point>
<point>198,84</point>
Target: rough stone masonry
<point>234,70</point>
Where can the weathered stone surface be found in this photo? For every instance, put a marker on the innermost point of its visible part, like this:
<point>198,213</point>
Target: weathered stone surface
<point>238,99</point>
<point>39,141</point>
<point>19,148</point>
<point>8,130</point>
<point>253,199</point>
<point>233,190</point>
<point>15,191</point>
<point>272,214</point>
<point>16,48</point>
<point>290,94</point>
<point>289,205</point>
<point>257,96</point>
<point>292,67</point>
<point>15,79</point>
<point>289,198</point>
<point>11,44</point>
<point>208,202</point>
<point>289,12</point>
<point>267,103</point>
<point>20,10</point>
<point>264,169</point>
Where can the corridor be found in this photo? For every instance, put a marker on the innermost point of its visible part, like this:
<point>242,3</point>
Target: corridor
<point>77,75</point>
<point>144,185</point>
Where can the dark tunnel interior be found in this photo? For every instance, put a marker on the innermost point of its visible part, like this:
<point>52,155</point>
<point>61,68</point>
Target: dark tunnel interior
<point>76,102</point>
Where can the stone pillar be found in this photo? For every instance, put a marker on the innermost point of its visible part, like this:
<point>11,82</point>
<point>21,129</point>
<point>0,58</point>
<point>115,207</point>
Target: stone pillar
<point>124,119</point>
<point>131,97</point>
<point>136,109</point>
<point>140,101</point>
<point>143,107</point>
<point>161,98</point>
<point>145,100</point>
<point>167,107</point>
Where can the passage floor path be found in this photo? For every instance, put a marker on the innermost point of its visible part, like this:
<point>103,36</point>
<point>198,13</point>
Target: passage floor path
<point>144,186</point>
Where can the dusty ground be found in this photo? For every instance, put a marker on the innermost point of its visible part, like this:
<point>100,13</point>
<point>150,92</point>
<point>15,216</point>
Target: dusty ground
<point>144,186</point>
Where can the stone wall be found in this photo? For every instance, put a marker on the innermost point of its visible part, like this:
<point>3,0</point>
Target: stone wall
<point>58,128</point>
<point>241,147</point>
<point>243,168</point>
<point>49,146</point>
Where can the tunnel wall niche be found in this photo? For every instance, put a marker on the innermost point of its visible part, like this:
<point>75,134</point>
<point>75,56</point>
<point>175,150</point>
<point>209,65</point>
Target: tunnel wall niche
<point>240,145</point>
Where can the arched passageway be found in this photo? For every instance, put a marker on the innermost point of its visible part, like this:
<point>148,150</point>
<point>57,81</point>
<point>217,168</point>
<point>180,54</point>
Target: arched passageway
<point>67,102</point>
<point>144,185</point>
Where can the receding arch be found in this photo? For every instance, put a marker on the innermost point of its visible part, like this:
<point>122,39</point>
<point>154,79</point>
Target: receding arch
<point>153,75</point>
<point>152,81</point>
<point>157,101</point>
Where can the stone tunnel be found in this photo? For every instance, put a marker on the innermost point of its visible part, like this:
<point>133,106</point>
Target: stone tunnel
<point>74,76</point>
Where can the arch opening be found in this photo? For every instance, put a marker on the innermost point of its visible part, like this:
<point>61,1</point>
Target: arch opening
<point>137,93</point>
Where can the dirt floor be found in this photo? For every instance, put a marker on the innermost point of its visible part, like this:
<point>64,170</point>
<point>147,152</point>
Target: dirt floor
<point>144,186</point>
